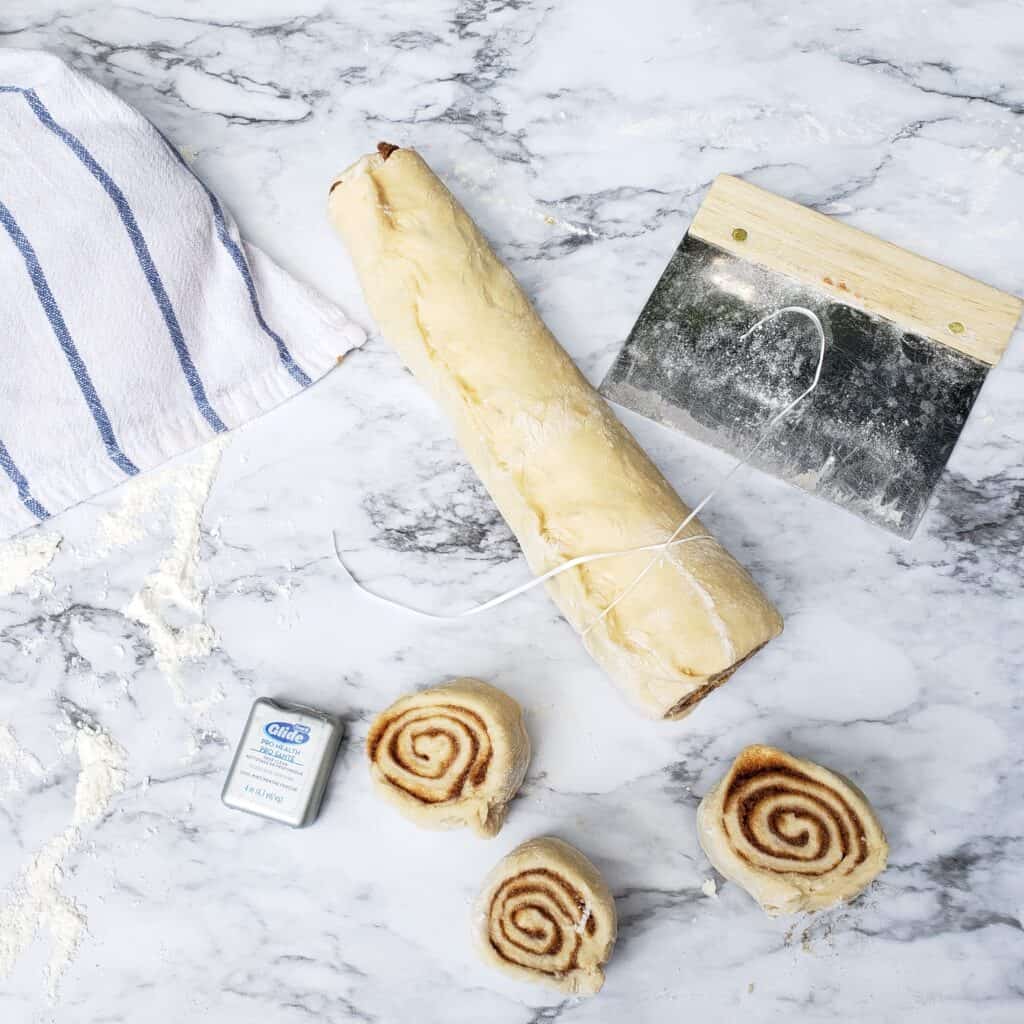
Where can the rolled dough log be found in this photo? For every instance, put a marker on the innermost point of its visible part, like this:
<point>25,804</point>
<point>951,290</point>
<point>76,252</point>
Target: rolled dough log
<point>566,475</point>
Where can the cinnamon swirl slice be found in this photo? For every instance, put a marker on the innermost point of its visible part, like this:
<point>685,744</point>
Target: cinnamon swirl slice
<point>545,914</point>
<point>451,756</point>
<point>795,835</point>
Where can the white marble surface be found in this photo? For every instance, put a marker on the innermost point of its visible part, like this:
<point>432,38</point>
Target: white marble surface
<point>581,135</point>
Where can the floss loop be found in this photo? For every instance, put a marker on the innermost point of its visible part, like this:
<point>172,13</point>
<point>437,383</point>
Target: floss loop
<point>658,550</point>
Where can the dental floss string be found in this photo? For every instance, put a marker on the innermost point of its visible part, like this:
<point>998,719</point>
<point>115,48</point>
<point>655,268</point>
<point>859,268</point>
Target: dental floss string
<point>658,550</point>
<point>515,591</point>
<point>803,311</point>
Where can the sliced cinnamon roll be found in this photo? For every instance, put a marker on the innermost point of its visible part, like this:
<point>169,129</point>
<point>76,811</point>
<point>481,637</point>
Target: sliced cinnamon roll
<point>795,835</point>
<point>451,756</point>
<point>545,914</point>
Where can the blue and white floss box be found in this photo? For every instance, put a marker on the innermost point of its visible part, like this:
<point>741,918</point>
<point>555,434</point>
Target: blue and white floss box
<point>283,761</point>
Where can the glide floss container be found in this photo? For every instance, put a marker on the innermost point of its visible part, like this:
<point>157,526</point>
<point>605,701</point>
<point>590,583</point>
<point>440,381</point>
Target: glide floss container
<point>283,761</point>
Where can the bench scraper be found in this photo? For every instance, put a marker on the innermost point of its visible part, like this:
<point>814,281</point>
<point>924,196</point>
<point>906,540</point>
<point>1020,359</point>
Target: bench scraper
<point>908,345</point>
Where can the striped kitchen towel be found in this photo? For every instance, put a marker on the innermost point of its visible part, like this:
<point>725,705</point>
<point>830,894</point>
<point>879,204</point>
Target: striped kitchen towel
<point>134,322</point>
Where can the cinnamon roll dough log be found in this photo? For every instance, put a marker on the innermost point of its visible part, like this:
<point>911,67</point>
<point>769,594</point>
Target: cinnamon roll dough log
<point>451,756</point>
<point>545,914</point>
<point>566,475</point>
<point>795,835</point>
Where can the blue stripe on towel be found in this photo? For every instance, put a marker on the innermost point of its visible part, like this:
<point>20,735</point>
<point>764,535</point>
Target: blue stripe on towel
<point>19,481</point>
<point>141,251</point>
<point>236,253</point>
<point>60,329</point>
<point>235,250</point>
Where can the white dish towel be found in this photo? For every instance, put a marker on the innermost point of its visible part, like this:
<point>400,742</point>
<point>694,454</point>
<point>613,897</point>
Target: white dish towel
<point>134,322</point>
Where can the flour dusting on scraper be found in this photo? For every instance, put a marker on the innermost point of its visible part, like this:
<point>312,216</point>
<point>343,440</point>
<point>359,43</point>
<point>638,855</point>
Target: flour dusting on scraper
<point>909,345</point>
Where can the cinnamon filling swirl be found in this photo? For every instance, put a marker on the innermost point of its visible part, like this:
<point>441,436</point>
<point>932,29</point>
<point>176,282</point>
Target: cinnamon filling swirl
<point>783,820</point>
<point>538,919</point>
<point>434,753</point>
<point>794,834</point>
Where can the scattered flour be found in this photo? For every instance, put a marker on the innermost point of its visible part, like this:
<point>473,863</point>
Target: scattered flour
<point>875,509</point>
<point>814,931</point>
<point>22,561</point>
<point>37,904</point>
<point>469,175</point>
<point>581,925</point>
<point>136,514</point>
<point>171,589</point>
<point>15,763</point>
<point>709,888</point>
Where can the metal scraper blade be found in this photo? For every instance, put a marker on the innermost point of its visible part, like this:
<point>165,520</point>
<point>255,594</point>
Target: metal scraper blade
<point>873,437</point>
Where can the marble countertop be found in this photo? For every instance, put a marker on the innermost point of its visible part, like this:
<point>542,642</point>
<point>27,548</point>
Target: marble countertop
<point>136,631</point>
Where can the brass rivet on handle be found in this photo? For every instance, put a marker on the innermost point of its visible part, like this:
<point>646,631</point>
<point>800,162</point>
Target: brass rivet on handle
<point>956,327</point>
<point>739,234</point>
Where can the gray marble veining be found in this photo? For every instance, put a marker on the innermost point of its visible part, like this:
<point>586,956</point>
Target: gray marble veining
<point>581,136</point>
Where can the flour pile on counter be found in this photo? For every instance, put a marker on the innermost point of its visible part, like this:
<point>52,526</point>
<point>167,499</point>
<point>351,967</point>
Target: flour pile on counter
<point>37,903</point>
<point>177,494</point>
<point>172,585</point>
<point>22,561</point>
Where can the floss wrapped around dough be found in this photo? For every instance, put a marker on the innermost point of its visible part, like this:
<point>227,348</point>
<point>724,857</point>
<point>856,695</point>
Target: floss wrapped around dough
<point>565,473</point>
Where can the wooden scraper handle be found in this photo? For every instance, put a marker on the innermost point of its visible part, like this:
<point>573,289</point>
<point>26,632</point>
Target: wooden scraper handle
<point>857,269</point>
